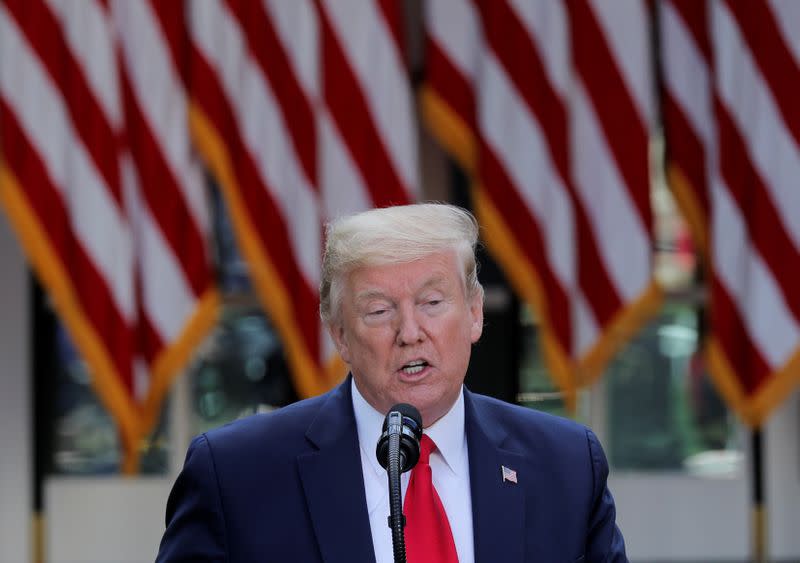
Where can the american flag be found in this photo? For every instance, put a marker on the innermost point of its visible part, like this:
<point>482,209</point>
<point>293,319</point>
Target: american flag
<point>549,106</point>
<point>103,191</point>
<point>508,474</point>
<point>303,111</point>
<point>731,81</point>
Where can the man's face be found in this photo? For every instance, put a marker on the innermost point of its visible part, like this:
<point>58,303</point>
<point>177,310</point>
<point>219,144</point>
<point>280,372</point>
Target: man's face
<point>407,332</point>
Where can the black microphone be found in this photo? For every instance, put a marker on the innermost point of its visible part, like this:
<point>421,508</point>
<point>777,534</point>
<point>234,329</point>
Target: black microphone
<point>398,451</point>
<point>403,420</point>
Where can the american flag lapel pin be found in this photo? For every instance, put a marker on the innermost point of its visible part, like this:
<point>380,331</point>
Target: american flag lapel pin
<point>509,474</point>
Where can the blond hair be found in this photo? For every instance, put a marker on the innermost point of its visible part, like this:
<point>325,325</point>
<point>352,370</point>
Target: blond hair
<point>394,235</point>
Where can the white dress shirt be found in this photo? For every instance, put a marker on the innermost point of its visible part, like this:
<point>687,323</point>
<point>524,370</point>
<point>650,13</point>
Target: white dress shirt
<point>449,465</point>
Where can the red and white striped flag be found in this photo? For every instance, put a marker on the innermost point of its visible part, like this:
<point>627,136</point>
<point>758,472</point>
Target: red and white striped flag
<point>549,105</point>
<point>731,81</point>
<point>303,112</point>
<point>98,180</point>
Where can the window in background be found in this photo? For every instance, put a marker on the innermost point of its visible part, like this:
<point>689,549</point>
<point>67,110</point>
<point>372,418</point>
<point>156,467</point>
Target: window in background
<point>240,369</point>
<point>84,438</point>
<point>537,389</point>
<point>663,412</point>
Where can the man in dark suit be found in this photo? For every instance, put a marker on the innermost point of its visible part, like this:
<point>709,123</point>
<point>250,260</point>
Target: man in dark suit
<point>403,305</point>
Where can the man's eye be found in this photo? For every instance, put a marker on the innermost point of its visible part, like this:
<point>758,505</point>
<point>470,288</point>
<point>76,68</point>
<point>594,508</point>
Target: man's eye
<point>377,312</point>
<point>434,303</point>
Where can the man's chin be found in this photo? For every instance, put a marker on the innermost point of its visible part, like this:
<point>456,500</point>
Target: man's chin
<point>431,411</point>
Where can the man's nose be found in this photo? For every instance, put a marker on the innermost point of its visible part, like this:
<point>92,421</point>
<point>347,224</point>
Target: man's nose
<point>409,329</point>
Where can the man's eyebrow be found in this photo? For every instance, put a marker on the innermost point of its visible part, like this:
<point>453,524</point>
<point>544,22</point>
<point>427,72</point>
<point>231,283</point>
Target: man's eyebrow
<point>379,294</point>
<point>434,281</point>
<point>370,294</point>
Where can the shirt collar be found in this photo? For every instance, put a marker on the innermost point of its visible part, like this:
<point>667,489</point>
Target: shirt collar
<point>369,423</point>
<point>448,435</point>
<point>447,432</point>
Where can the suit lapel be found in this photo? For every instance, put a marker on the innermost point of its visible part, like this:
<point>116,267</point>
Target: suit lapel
<point>334,484</point>
<point>498,507</point>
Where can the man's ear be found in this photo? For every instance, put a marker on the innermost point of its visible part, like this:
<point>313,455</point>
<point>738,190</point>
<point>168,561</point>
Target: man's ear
<point>476,313</point>
<point>336,330</point>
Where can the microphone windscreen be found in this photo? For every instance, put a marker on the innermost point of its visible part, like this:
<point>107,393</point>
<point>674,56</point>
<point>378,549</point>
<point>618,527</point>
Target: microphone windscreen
<point>407,411</point>
<point>409,431</point>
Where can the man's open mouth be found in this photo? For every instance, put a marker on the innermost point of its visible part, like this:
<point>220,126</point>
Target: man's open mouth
<point>414,366</point>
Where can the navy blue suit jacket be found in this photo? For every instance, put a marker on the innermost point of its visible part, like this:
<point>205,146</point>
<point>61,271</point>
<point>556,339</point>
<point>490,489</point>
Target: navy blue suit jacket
<point>288,487</point>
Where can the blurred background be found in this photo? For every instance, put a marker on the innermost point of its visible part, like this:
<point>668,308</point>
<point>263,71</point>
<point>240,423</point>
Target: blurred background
<point>167,168</point>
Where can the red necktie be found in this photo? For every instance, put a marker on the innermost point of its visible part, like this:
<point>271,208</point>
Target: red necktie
<point>428,535</point>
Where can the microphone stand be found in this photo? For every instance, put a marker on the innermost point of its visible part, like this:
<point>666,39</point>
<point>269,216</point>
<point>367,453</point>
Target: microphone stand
<point>397,520</point>
<point>398,452</point>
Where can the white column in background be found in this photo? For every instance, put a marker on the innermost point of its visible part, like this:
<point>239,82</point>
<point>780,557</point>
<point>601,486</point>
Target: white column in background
<point>16,467</point>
